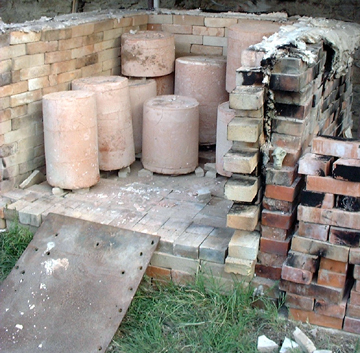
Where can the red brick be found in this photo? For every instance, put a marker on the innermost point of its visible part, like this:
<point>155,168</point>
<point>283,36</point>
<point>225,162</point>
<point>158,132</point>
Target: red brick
<point>272,246</point>
<point>275,233</point>
<point>293,82</point>
<point>337,147</point>
<point>344,236</point>
<point>313,231</point>
<point>268,259</point>
<point>285,193</point>
<point>292,156</point>
<point>294,111</point>
<point>347,169</point>
<point>271,272</point>
<point>297,275</point>
<point>158,273</point>
<point>286,141</point>
<point>278,219</point>
<point>354,297</point>
<point>356,272</point>
<point>353,311</point>
<point>315,319</point>
<point>314,290</point>
<point>303,261</point>
<point>284,176</point>
<point>320,248</point>
<point>357,286</point>
<point>335,217</point>
<point>351,325</point>
<point>332,279</point>
<point>278,205</point>
<point>330,185</point>
<point>317,199</point>
<point>332,265</point>
<point>299,302</point>
<point>354,256</point>
<point>325,308</point>
<point>181,277</point>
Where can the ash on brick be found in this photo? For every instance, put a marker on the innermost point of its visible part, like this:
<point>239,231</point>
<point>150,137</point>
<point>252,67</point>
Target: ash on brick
<point>348,203</point>
<point>311,198</point>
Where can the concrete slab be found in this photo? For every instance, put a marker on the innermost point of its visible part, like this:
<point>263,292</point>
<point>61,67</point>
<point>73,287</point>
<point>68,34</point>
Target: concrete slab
<point>71,288</point>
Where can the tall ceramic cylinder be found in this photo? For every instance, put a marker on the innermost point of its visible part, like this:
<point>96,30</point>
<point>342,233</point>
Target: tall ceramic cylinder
<point>203,78</point>
<point>140,91</point>
<point>223,145</point>
<point>116,140</point>
<point>147,54</point>
<point>165,84</point>
<point>240,37</point>
<point>171,134</point>
<point>71,143</point>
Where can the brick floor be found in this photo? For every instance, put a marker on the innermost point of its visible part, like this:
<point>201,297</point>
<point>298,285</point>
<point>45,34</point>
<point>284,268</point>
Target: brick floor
<point>164,205</point>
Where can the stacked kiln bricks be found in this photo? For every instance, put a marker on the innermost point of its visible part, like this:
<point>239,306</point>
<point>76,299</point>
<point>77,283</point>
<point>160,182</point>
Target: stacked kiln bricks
<point>293,85</point>
<point>245,131</point>
<point>324,260</point>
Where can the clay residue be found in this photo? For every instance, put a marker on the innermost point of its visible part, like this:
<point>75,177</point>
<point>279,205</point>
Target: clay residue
<point>342,37</point>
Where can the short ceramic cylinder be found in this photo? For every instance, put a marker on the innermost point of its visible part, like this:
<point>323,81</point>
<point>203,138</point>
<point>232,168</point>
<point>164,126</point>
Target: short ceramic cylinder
<point>165,84</point>
<point>203,78</point>
<point>223,145</point>
<point>147,54</point>
<point>240,37</point>
<point>71,143</point>
<point>115,132</point>
<point>140,91</point>
<point>171,134</point>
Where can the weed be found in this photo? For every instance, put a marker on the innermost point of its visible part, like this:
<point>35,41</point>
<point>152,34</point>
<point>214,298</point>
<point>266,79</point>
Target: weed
<point>12,244</point>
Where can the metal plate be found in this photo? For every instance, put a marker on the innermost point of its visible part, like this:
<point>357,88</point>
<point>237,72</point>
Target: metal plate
<point>72,286</point>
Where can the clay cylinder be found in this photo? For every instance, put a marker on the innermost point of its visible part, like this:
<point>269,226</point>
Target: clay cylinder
<point>71,143</point>
<point>240,37</point>
<point>165,84</point>
<point>140,91</point>
<point>223,145</point>
<point>203,78</point>
<point>115,133</point>
<point>147,54</point>
<point>171,134</point>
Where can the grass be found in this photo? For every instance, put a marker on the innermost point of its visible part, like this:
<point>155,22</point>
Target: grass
<point>201,317</point>
<point>12,244</point>
<point>194,318</point>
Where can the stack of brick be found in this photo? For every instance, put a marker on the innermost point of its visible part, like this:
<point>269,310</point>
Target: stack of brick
<point>317,273</point>
<point>245,131</point>
<point>293,84</point>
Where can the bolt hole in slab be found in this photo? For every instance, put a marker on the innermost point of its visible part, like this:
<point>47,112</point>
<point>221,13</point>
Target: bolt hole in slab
<point>97,244</point>
<point>36,249</point>
<point>152,243</point>
<point>122,272</point>
<point>48,253</point>
<point>120,310</point>
<point>56,234</point>
<point>100,348</point>
<point>130,289</point>
<point>140,268</point>
<point>141,254</point>
<point>22,272</point>
<point>16,267</point>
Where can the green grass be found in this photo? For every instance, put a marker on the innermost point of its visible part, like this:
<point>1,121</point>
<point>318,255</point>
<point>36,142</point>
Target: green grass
<point>193,318</point>
<point>12,244</point>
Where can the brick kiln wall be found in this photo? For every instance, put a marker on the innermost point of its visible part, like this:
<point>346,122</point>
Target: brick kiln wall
<point>44,57</point>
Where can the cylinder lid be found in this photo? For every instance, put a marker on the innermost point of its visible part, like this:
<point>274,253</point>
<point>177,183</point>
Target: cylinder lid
<point>172,102</point>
